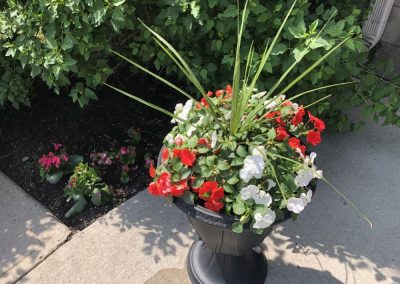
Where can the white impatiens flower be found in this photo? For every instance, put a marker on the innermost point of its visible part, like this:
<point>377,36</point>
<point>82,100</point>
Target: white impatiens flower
<point>262,198</point>
<point>259,151</point>
<point>309,172</point>
<point>169,138</point>
<point>248,192</point>
<point>190,131</point>
<point>253,168</point>
<point>200,121</point>
<point>182,111</point>
<point>306,197</point>
<point>271,184</point>
<point>258,95</point>
<point>297,205</point>
<point>214,138</point>
<point>264,221</point>
<point>273,103</point>
<point>304,176</point>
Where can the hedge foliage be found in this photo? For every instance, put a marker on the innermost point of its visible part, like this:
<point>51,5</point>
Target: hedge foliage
<point>66,43</point>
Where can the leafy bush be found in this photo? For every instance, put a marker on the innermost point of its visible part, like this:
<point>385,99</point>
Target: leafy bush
<point>85,182</point>
<point>66,45</point>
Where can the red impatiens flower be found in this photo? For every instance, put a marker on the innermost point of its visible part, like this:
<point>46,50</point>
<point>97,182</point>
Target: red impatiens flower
<point>280,121</point>
<point>154,189</point>
<point>212,194</point>
<point>228,91</point>
<point>209,93</point>
<point>271,114</point>
<point>164,155</point>
<point>281,133</point>
<point>188,158</point>
<point>219,93</point>
<point>203,141</point>
<point>152,170</point>
<point>294,142</point>
<point>179,189</point>
<point>314,137</point>
<point>319,124</point>
<point>162,186</point>
<point>287,103</point>
<point>303,149</point>
<point>204,102</point>
<point>298,117</point>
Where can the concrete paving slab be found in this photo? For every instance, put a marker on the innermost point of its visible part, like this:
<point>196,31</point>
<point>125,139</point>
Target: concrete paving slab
<point>146,241</point>
<point>131,244</point>
<point>28,232</point>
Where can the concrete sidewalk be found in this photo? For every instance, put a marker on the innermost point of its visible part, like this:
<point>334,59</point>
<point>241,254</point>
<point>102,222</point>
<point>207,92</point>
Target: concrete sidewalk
<point>146,241</point>
<point>28,232</point>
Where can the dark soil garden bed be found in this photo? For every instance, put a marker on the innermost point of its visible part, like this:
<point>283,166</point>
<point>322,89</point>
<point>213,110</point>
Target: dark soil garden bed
<point>28,133</point>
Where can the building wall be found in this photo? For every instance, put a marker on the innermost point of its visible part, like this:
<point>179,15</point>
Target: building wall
<point>392,32</point>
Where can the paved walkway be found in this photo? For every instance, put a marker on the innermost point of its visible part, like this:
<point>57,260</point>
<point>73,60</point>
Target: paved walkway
<point>146,241</point>
<point>28,232</point>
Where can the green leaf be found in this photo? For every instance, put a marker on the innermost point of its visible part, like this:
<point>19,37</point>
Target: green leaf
<point>55,177</point>
<point>239,208</point>
<point>188,197</point>
<point>241,151</point>
<point>271,134</point>
<point>233,180</point>
<point>223,165</point>
<point>67,42</point>
<point>336,30</point>
<point>228,188</point>
<point>230,12</point>
<point>96,197</point>
<point>51,43</point>
<point>298,31</point>
<point>77,207</point>
<point>237,227</point>
<point>279,49</point>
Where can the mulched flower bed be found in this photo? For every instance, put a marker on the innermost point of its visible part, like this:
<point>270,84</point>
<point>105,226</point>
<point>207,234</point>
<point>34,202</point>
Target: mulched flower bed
<point>28,133</point>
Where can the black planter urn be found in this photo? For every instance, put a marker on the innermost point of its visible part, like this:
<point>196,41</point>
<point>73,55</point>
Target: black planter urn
<point>221,255</point>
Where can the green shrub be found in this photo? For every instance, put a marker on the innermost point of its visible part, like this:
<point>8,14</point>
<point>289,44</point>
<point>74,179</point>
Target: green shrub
<point>66,45</point>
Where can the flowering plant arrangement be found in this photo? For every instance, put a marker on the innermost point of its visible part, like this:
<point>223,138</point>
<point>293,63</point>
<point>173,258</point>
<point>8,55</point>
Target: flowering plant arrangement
<point>85,182</point>
<point>240,151</point>
<point>57,163</point>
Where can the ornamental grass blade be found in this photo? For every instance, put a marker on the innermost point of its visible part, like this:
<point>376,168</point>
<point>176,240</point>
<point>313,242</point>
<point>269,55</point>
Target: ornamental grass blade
<point>144,69</point>
<point>258,108</point>
<point>181,63</point>
<point>236,102</point>
<point>146,103</point>
<point>360,213</point>
<point>311,68</point>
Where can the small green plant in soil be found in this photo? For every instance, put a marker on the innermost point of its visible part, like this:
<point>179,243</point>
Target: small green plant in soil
<point>57,163</point>
<point>85,182</point>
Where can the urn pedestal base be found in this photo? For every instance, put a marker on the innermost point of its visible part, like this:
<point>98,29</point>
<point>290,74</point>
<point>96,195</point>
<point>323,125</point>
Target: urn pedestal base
<point>207,267</point>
